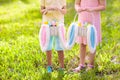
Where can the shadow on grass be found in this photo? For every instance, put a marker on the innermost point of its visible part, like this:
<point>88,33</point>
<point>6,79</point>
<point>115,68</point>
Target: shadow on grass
<point>46,76</point>
<point>6,1</point>
<point>2,2</point>
<point>88,75</point>
<point>25,1</point>
<point>60,75</point>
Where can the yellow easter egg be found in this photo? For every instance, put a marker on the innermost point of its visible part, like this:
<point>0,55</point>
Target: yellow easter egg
<point>56,23</point>
<point>79,24</point>
<point>46,22</point>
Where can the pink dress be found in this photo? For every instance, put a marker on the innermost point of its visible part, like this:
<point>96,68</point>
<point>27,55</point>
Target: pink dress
<point>90,17</point>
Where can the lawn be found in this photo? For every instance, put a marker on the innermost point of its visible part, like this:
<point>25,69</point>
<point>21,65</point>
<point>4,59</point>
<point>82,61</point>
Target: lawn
<point>22,59</point>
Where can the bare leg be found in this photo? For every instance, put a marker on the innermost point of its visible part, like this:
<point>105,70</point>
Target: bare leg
<point>82,54</point>
<point>91,61</point>
<point>61,58</point>
<point>49,57</point>
<point>82,58</point>
<point>91,58</point>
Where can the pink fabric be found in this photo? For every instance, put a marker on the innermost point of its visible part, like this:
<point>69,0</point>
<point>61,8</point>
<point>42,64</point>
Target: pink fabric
<point>43,35</point>
<point>63,33</point>
<point>87,17</point>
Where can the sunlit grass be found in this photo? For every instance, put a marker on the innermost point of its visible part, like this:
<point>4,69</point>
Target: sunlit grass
<point>22,59</point>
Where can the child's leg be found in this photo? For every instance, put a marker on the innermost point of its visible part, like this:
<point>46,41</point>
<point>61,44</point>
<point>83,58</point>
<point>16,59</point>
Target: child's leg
<point>91,61</point>
<point>49,57</point>
<point>61,58</point>
<point>49,51</point>
<point>82,54</point>
<point>91,58</point>
<point>49,60</point>
<point>60,51</point>
<point>82,58</point>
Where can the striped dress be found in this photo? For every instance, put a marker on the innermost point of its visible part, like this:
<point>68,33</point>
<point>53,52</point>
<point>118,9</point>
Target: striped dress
<point>92,18</point>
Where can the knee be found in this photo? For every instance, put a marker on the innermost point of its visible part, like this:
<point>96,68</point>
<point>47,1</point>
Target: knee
<point>83,45</point>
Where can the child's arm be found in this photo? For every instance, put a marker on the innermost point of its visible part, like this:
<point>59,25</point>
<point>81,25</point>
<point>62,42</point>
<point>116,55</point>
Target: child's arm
<point>43,10</point>
<point>62,10</point>
<point>101,6</point>
<point>78,8</point>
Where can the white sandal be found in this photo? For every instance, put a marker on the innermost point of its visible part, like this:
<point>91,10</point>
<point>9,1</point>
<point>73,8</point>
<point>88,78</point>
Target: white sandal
<point>79,68</point>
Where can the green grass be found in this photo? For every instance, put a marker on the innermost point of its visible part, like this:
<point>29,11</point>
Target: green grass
<point>22,59</point>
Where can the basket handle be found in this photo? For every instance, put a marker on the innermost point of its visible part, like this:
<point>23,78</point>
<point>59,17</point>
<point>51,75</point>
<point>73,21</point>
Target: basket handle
<point>92,14</point>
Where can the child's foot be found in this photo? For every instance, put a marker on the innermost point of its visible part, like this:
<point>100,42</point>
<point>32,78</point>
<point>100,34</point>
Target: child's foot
<point>89,67</point>
<point>79,68</point>
<point>49,69</point>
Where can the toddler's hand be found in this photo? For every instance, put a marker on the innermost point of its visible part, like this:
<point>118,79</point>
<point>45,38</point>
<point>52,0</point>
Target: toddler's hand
<point>81,10</point>
<point>58,9</point>
<point>44,11</point>
<point>51,8</point>
<point>89,9</point>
